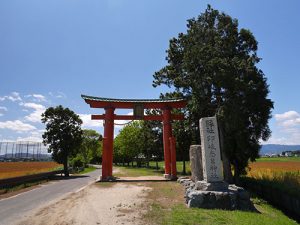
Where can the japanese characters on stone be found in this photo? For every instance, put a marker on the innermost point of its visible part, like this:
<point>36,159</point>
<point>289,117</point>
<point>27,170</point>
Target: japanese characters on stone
<point>212,165</point>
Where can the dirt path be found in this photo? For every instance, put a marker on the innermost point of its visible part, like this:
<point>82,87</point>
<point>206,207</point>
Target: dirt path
<point>99,203</point>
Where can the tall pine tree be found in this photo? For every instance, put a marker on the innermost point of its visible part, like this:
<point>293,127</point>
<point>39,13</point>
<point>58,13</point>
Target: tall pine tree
<point>214,65</point>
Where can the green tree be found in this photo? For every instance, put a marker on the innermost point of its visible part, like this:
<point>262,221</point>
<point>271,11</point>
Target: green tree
<point>214,65</point>
<point>129,142</point>
<point>151,136</point>
<point>91,146</point>
<point>63,134</point>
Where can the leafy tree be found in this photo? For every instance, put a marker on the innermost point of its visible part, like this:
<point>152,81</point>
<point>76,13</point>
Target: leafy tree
<point>91,146</point>
<point>151,140</point>
<point>214,65</point>
<point>128,144</point>
<point>135,140</point>
<point>63,134</point>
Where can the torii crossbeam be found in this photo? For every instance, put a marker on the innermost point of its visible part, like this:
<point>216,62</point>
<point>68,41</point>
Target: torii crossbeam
<point>138,105</point>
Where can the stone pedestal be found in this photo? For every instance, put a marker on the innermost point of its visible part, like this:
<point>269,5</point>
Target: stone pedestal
<point>216,196</point>
<point>167,176</point>
<point>196,162</point>
<point>214,186</point>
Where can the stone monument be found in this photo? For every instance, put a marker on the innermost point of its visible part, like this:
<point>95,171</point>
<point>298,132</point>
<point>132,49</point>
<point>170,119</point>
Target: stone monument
<point>212,191</point>
<point>211,156</point>
<point>196,162</point>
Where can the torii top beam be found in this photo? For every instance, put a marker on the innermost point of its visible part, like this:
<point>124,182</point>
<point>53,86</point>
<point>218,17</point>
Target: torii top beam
<point>99,102</point>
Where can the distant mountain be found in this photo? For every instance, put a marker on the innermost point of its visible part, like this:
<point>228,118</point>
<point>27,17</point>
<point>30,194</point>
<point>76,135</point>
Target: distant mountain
<point>277,149</point>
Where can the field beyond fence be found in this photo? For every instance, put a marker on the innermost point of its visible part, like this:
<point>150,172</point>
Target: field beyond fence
<point>16,169</point>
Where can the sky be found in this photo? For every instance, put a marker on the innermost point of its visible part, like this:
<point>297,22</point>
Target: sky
<point>52,51</point>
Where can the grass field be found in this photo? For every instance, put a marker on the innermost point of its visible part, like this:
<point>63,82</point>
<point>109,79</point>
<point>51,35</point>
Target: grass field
<point>279,159</point>
<point>16,169</point>
<point>282,173</point>
<point>165,205</point>
<point>179,165</point>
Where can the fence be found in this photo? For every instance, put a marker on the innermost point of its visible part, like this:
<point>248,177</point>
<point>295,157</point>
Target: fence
<point>23,150</point>
<point>10,182</point>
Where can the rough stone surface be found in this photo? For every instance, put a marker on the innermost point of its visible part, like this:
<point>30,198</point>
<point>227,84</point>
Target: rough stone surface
<point>230,198</point>
<point>196,162</point>
<point>214,186</point>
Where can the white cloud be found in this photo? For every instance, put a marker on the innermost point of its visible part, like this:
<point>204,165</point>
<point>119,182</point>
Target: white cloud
<point>87,122</point>
<point>14,96</point>
<point>35,116</point>
<point>30,139</point>
<point>288,119</point>
<point>290,115</point>
<point>35,136</point>
<point>58,94</point>
<point>33,106</point>
<point>17,125</point>
<point>37,97</point>
<point>3,108</point>
<point>287,129</point>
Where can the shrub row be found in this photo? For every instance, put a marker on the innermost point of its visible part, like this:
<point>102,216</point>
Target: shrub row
<point>276,193</point>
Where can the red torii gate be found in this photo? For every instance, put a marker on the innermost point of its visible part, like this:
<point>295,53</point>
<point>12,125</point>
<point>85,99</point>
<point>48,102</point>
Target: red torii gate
<point>138,105</point>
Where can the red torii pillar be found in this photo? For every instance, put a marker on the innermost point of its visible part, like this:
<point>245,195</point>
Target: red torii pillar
<point>169,146</point>
<point>108,140</point>
<point>167,133</point>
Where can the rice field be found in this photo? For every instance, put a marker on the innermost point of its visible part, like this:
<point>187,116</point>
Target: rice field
<point>263,169</point>
<point>285,174</point>
<point>16,169</point>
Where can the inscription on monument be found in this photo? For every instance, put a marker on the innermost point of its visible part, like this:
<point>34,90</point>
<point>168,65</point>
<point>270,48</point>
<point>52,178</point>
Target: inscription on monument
<point>210,146</point>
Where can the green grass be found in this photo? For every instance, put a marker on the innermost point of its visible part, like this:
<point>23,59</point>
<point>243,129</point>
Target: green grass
<point>182,215</point>
<point>136,172</point>
<point>279,159</point>
<point>179,165</point>
<point>166,206</point>
<point>167,209</point>
<point>87,170</point>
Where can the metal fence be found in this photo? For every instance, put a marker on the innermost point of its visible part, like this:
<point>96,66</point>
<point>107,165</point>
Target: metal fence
<point>23,150</point>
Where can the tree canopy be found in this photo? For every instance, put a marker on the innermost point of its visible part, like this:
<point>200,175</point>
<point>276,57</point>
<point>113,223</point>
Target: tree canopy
<point>91,147</point>
<point>63,134</point>
<point>214,65</point>
<point>138,140</point>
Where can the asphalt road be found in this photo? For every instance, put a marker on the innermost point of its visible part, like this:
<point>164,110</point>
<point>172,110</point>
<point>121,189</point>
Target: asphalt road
<point>19,207</point>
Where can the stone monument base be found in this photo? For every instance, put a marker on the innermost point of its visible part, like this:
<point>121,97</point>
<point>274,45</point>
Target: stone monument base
<point>167,176</point>
<point>216,195</point>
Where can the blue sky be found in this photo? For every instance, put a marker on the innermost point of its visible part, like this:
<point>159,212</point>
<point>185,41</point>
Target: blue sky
<point>52,51</point>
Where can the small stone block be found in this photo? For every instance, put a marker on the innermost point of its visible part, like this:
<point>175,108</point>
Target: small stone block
<point>167,176</point>
<point>213,186</point>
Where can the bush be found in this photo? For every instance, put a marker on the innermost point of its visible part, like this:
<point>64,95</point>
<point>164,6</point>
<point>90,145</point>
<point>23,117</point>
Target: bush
<point>77,162</point>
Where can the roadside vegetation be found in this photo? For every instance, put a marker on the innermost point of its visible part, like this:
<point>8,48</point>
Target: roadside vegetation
<point>87,169</point>
<point>16,169</point>
<point>165,204</point>
<point>136,172</point>
<point>22,187</point>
